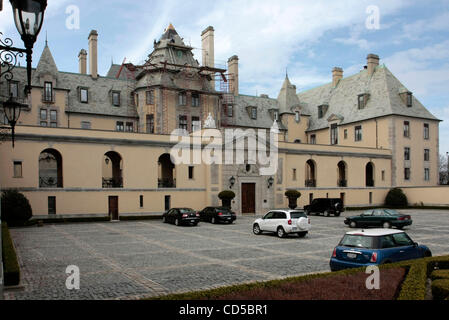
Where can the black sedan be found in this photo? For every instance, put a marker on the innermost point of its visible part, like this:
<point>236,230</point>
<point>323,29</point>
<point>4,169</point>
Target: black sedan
<point>385,218</point>
<point>217,214</point>
<point>181,216</point>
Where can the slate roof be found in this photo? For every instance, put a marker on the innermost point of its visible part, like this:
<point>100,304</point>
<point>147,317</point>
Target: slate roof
<point>384,99</point>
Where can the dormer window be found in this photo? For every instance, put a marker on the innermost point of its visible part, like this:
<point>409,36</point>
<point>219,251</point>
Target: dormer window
<point>322,111</point>
<point>362,100</point>
<point>409,99</point>
<point>276,115</point>
<point>48,92</point>
<point>13,89</point>
<point>116,98</point>
<point>254,113</point>
<point>297,116</point>
<point>84,95</point>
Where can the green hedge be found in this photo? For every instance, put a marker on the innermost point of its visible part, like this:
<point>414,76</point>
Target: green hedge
<point>440,289</point>
<point>440,274</point>
<point>11,269</point>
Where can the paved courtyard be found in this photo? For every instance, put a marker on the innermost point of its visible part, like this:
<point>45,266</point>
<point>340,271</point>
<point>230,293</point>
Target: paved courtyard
<point>129,260</point>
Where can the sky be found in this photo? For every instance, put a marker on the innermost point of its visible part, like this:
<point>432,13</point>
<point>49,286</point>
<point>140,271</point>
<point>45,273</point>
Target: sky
<point>305,38</point>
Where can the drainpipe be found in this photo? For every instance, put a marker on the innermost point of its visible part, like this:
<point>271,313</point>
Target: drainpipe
<point>1,253</point>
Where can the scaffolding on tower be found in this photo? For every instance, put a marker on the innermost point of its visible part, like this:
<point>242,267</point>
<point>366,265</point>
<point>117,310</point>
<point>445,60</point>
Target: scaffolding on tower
<point>226,97</point>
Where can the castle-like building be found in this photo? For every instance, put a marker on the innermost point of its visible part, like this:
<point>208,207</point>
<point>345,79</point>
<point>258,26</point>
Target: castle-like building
<point>100,145</point>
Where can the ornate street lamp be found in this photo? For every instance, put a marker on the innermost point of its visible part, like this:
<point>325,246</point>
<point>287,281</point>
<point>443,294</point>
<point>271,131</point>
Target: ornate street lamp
<point>270,182</point>
<point>28,18</point>
<point>231,182</point>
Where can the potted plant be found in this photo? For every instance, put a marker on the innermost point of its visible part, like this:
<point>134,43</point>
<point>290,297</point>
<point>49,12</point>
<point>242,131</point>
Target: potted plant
<point>292,196</point>
<point>226,197</point>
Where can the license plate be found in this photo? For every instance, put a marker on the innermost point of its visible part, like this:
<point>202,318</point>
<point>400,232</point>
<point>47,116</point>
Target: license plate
<point>294,228</point>
<point>351,255</point>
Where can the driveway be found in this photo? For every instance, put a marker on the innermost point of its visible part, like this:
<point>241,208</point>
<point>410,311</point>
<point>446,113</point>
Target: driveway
<point>130,260</point>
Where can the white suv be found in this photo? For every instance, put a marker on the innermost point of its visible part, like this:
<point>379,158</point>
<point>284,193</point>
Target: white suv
<point>283,222</point>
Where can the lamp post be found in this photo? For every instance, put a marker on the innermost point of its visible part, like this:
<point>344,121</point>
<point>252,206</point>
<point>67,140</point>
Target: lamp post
<point>28,18</point>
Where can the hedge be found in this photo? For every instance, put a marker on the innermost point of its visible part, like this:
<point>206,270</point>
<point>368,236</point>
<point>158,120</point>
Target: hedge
<point>440,289</point>
<point>11,269</point>
<point>440,274</point>
<point>413,287</point>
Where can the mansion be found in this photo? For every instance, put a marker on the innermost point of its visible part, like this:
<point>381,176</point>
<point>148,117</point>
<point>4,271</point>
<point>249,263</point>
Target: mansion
<point>97,145</point>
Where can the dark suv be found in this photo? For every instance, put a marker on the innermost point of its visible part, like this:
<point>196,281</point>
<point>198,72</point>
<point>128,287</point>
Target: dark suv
<point>326,206</point>
<point>217,214</point>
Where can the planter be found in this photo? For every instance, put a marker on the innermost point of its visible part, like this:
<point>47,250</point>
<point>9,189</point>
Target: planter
<point>226,197</point>
<point>292,196</point>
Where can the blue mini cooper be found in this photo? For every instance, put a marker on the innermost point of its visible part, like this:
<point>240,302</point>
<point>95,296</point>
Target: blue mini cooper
<point>375,246</point>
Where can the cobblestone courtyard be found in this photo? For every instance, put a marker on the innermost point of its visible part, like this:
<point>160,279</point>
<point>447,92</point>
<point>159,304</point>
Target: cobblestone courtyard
<point>129,260</point>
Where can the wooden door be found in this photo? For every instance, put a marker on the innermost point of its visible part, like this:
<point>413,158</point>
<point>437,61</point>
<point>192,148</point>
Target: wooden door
<point>113,208</point>
<point>248,198</point>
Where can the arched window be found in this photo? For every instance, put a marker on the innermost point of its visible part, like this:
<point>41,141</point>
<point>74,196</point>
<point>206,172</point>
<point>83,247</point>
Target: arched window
<point>342,180</point>
<point>50,169</point>
<point>166,172</point>
<point>310,174</point>
<point>112,170</point>
<point>369,174</point>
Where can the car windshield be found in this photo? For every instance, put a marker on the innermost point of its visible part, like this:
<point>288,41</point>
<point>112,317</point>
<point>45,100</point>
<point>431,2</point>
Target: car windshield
<point>297,214</point>
<point>357,241</point>
<point>391,212</point>
<point>186,210</point>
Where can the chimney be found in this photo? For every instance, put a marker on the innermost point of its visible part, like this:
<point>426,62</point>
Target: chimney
<point>233,70</point>
<point>207,40</point>
<point>337,75</point>
<point>93,64</point>
<point>372,63</point>
<point>82,60</point>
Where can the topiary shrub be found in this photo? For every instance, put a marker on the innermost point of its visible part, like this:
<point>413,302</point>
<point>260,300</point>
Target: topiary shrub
<point>396,198</point>
<point>226,197</point>
<point>440,289</point>
<point>292,196</point>
<point>11,269</point>
<point>16,209</point>
<point>440,274</point>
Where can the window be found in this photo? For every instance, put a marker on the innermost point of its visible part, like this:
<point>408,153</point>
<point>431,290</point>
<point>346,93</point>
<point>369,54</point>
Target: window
<point>406,129</point>
<point>116,99</point>
<point>150,97</point>
<point>17,169</point>
<point>406,173</point>
<point>51,205</point>
<point>407,153</point>
<point>297,116</point>
<point>120,126</point>
<point>196,124</point>
<point>230,111</point>
<point>182,99</point>
<point>276,115</point>
<point>44,124</point>
<point>43,114</point>
<point>313,139</point>
<point>179,53</point>
<point>294,174</point>
<point>136,97</point>
<point>85,125</point>
<point>254,113</point>
<point>84,95</point>
<point>195,100</point>
<point>191,172</point>
<point>141,201</point>
<point>361,101</point>
<point>409,99</point>
<point>345,133</point>
<point>53,115</point>
<point>334,134</point>
<point>383,175</point>
<point>426,131</point>
<point>358,133</point>
<point>426,155</point>
<point>129,127</point>
<point>183,122</point>
<point>13,89</point>
<point>320,112</point>
<point>402,239</point>
<point>426,174</point>
<point>48,91</point>
<point>297,141</point>
<point>150,123</point>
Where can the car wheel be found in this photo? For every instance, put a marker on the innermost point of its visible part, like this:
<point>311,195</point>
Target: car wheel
<point>164,220</point>
<point>302,234</point>
<point>281,232</point>
<point>256,229</point>
<point>177,222</point>
<point>213,220</point>
<point>353,224</point>
<point>327,213</point>
<point>386,225</point>
<point>337,213</point>
<point>427,254</point>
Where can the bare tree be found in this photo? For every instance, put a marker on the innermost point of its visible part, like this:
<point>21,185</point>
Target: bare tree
<point>444,170</point>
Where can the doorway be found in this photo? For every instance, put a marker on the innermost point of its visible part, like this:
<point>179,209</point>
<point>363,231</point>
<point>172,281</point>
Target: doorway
<point>113,208</point>
<point>248,198</point>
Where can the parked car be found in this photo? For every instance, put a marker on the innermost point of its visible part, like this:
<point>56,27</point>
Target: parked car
<point>181,216</point>
<point>385,218</point>
<point>375,246</point>
<point>217,214</point>
<point>283,222</point>
<point>326,206</point>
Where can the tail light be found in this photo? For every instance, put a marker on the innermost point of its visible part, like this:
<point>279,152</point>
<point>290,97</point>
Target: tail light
<point>220,213</point>
<point>334,254</point>
<point>374,257</point>
<point>289,222</point>
<point>197,214</point>
<point>185,215</point>
<point>401,218</point>
<point>309,220</point>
